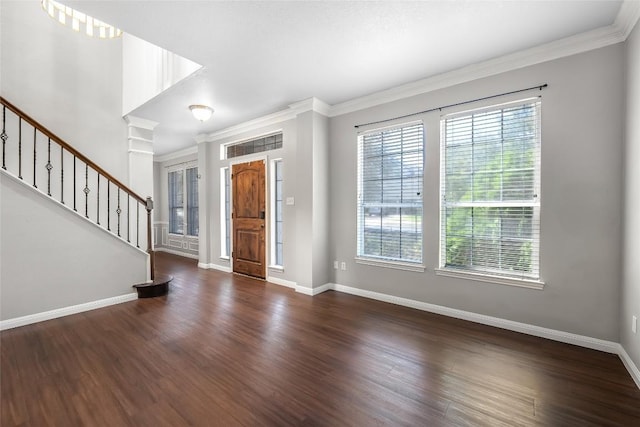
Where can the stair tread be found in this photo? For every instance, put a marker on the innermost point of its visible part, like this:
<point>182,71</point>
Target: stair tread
<point>158,281</point>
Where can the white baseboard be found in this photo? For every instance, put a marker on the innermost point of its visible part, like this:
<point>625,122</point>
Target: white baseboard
<point>628,363</point>
<point>223,268</point>
<point>65,311</point>
<point>281,282</point>
<point>174,252</point>
<point>314,291</point>
<point>538,331</point>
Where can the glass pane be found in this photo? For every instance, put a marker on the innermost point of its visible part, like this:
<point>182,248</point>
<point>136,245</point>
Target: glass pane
<point>390,202</point>
<point>192,202</point>
<point>176,200</point>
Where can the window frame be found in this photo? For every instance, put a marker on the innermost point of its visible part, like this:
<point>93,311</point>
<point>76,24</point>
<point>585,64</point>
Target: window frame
<point>182,168</point>
<point>532,280</point>
<point>276,264</point>
<point>225,212</point>
<point>382,261</point>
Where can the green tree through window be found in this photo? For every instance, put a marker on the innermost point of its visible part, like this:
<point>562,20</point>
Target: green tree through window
<point>491,190</point>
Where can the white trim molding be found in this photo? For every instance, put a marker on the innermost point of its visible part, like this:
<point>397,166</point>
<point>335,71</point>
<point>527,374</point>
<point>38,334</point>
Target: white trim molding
<point>65,311</point>
<point>398,265</point>
<point>488,278</point>
<point>579,43</point>
<point>171,251</point>
<point>282,282</point>
<point>310,104</point>
<point>628,363</point>
<point>222,268</point>
<point>538,331</point>
<point>314,291</point>
<point>628,16</point>
<point>140,122</point>
<point>189,151</point>
<point>617,32</point>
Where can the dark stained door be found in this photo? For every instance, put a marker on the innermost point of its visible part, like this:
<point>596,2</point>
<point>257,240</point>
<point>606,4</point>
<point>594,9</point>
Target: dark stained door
<point>248,180</point>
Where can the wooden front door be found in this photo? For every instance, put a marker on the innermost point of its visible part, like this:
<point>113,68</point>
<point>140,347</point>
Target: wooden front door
<point>248,180</point>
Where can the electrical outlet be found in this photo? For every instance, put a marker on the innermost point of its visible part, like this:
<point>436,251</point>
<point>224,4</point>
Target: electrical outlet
<point>335,264</point>
<point>343,265</point>
<point>634,324</point>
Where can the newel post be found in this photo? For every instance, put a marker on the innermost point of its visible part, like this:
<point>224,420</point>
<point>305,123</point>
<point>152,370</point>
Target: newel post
<point>149,207</point>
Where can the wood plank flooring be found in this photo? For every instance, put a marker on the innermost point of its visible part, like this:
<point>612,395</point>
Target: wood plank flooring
<point>223,350</point>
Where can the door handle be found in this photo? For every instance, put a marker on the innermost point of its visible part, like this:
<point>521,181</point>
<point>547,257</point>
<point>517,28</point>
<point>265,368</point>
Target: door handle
<point>261,214</point>
<point>261,225</point>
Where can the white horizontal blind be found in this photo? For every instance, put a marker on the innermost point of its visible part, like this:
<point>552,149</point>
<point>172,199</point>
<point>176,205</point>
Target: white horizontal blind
<point>390,178</point>
<point>490,189</point>
<point>193,223</point>
<point>176,202</point>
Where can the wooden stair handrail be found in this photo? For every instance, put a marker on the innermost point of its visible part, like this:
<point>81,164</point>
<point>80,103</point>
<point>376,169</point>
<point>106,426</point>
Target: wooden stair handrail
<point>70,149</point>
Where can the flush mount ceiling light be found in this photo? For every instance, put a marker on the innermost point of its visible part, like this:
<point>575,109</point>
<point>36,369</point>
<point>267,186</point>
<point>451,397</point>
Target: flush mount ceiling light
<point>201,112</point>
<point>79,21</point>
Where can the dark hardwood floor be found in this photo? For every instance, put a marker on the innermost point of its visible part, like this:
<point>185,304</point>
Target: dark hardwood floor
<point>226,350</point>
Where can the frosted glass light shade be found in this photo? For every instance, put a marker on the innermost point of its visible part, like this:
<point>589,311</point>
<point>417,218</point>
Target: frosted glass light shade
<point>201,112</point>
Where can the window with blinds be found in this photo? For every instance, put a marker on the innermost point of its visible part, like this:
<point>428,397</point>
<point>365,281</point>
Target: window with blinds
<point>390,178</point>
<point>176,202</point>
<point>490,190</point>
<point>193,223</point>
<point>183,182</point>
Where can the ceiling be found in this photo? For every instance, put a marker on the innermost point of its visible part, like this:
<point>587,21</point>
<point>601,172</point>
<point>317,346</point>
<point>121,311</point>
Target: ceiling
<point>261,56</point>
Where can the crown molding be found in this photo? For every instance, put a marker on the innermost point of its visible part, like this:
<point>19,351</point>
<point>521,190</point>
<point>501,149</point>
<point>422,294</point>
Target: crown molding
<point>140,122</point>
<point>568,46</point>
<point>628,16</point>
<point>176,154</point>
<point>310,104</point>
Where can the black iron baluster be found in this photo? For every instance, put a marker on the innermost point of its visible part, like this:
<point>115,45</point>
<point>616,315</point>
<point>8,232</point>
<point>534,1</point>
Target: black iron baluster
<point>128,219</point>
<point>98,201</point>
<point>4,137</point>
<point>86,190</point>
<point>118,211</point>
<point>49,166</point>
<point>74,183</point>
<point>34,157</point>
<point>108,205</point>
<point>62,174</point>
<point>137,224</point>
<point>20,147</point>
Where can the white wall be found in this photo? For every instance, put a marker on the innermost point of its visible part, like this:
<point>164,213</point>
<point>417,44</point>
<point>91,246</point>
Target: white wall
<point>148,70</point>
<point>70,83</point>
<point>45,267</point>
<point>582,140</point>
<point>630,297</point>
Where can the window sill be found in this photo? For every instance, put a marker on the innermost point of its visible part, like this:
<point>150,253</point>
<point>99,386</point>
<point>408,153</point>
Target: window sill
<point>278,268</point>
<point>500,280</point>
<point>398,265</point>
<point>224,257</point>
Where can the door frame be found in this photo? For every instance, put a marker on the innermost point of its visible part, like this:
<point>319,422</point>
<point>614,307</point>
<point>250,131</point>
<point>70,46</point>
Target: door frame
<point>267,207</point>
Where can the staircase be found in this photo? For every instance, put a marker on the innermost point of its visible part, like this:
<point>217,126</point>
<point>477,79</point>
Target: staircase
<point>41,160</point>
